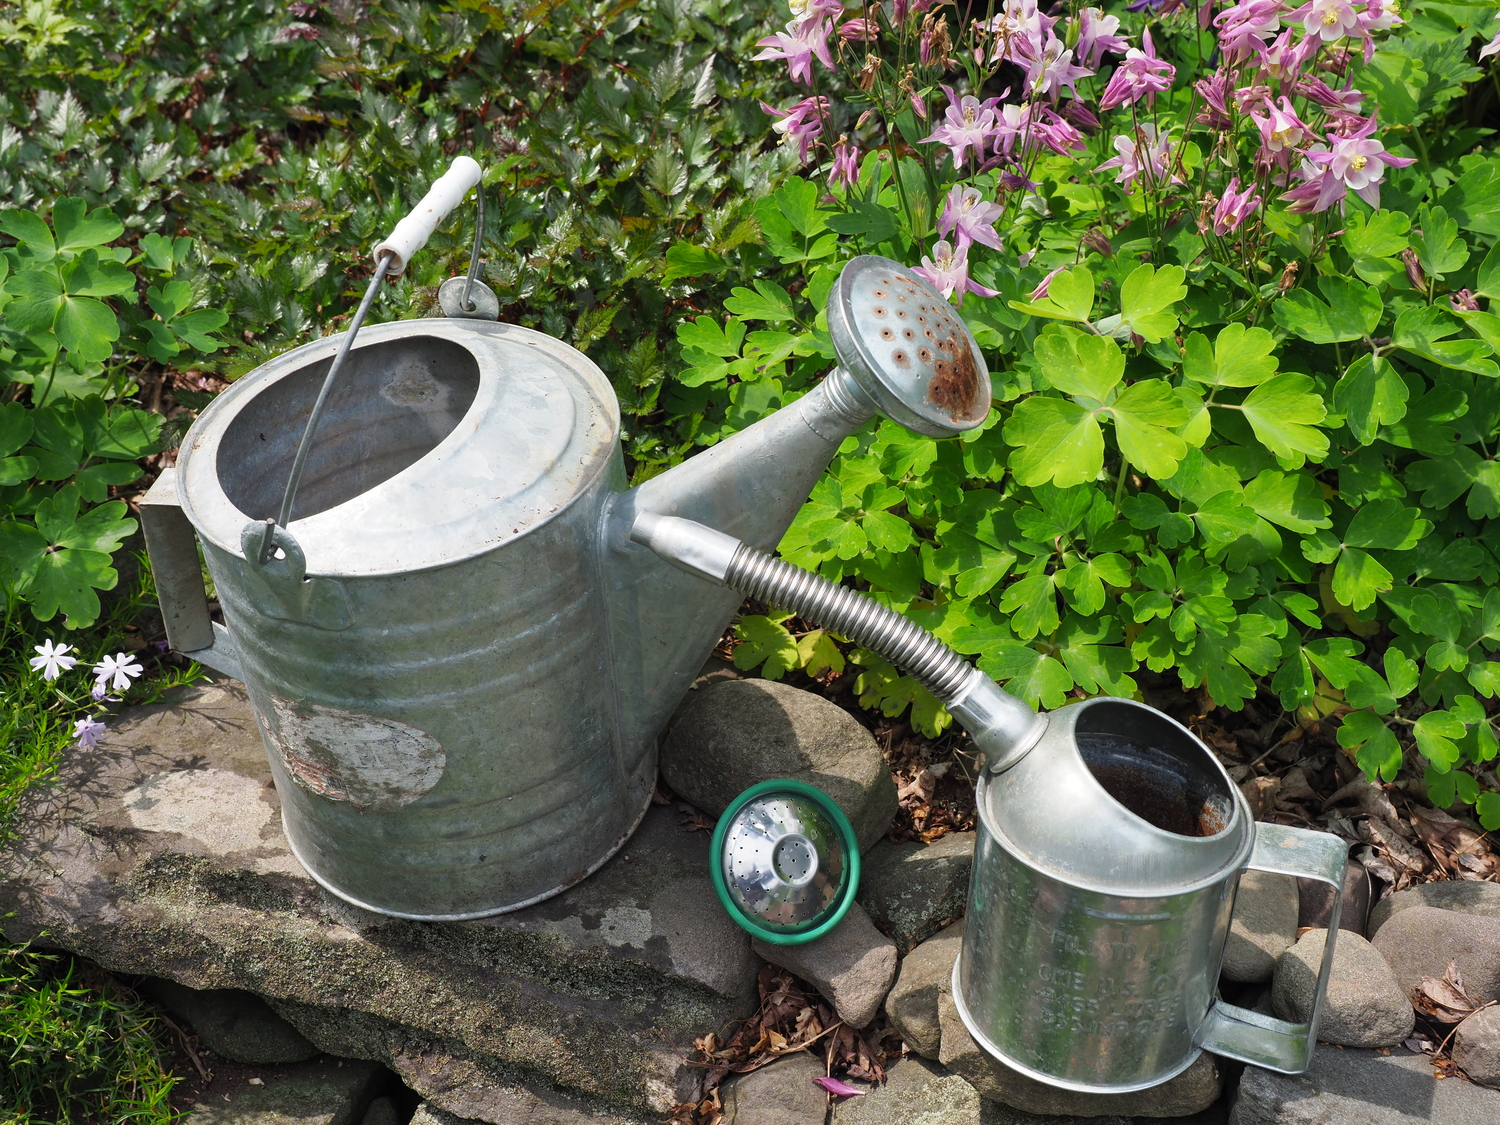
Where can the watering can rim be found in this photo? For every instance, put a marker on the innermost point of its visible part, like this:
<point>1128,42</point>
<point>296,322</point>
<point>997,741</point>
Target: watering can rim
<point>1238,831</point>
<point>220,522</point>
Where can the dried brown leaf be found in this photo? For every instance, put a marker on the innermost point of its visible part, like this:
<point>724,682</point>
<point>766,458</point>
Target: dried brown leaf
<point>1445,1000</point>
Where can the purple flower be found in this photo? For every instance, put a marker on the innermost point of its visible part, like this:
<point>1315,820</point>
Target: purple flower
<point>1041,290</point>
<point>1141,75</point>
<point>859,31</point>
<point>1143,152</point>
<point>1245,28</point>
<point>1013,123</point>
<point>1359,161</point>
<point>1052,69</point>
<point>1096,35</point>
<point>1286,57</point>
<point>1020,32</point>
<point>1236,206</point>
<point>1329,20</point>
<point>1057,134</point>
<point>839,1089</point>
<point>1347,100</point>
<point>947,271</point>
<point>1080,115</point>
<point>1380,15</point>
<point>87,731</point>
<point>1464,301</point>
<point>967,123</point>
<point>799,45</point>
<point>1320,188</point>
<point>845,164</point>
<point>802,123</point>
<point>1281,132</point>
<point>1214,90</point>
<point>970,217</point>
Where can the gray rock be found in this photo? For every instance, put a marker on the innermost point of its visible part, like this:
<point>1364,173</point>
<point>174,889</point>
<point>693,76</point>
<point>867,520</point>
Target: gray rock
<point>912,890</point>
<point>913,1001</point>
<point>1192,1091</point>
<point>383,1111</point>
<point>853,965</point>
<point>233,1024</point>
<point>916,1092</point>
<point>1316,901</point>
<point>1461,895</point>
<point>1361,1088</point>
<point>734,734</point>
<point>594,992</point>
<point>1365,1007</point>
<point>1476,1046</point>
<point>325,1092</point>
<point>780,1094</point>
<point>1419,942</point>
<point>1263,927</point>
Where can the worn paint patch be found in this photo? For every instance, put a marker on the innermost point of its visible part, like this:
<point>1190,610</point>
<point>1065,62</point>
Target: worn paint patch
<point>218,808</point>
<point>369,761</point>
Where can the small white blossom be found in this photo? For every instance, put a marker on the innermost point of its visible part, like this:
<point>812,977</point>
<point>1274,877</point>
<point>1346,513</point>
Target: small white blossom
<point>52,662</point>
<point>121,666</point>
<point>87,731</point>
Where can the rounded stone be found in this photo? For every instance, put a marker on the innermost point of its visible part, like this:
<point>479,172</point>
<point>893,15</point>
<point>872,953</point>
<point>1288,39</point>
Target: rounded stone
<point>1476,1046</point>
<point>780,1094</point>
<point>1463,896</point>
<point>913,1001</point>
<point>1364,1007</point>
<point>916,1092</point>
<point>1420,942</point>
<point>736,733</point>
<point>853,965</point>
<point>1317,901</point>
<point>1263,927</point>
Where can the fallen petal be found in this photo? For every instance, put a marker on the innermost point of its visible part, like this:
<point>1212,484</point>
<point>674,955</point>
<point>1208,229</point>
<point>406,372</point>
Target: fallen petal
<point>841,1089</point>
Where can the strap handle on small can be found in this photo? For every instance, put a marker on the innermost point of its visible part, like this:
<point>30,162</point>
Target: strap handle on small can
<point>1264,1041</point>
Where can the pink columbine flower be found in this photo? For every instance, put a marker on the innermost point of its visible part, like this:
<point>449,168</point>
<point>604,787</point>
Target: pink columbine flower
<point>1282,132</point>
<point>1141,75</point>
<point>1096,35</point>
<point>1144,151</point>
<point>1464,301</point>
<point>1245,28</point>
<point>1380,15</point>
<point>947,271</point>
<point>845,164</point>
<point>121,666</point>
<point>1052,69</point>
<point>918,106</point>
<point>1320,188</point>
<point>970,218</point>
<point>1236,206</point>
<point>1286,57</point>
<point>1490,48</point>
<point>1080,115</point>
<point>1020,32</point>
<point>859,31</point>
<point>1040,291</point>
<point>1329,20</point>
<point>1012,123</point>
<point>1360,161</point>
<point>967,123</point>
<point>87,731</point>
<point>52,659</point>
<point>1248,98</point>
<point>802,123</point>
<point>1215,92</point>
<point>802,42</point>
<point>1347,100</point>
<point>1054,132</point>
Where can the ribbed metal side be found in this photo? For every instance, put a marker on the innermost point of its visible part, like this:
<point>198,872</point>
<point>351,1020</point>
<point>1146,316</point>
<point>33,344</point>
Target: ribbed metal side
<point>853,615</point>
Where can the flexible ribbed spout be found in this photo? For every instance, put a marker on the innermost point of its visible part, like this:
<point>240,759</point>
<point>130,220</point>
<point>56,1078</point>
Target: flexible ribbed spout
<point>1003,726</point>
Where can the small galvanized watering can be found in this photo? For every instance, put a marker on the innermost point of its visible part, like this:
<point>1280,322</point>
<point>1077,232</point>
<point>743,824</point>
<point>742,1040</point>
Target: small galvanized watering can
<point>1111,844</point>
<point>458,658</point>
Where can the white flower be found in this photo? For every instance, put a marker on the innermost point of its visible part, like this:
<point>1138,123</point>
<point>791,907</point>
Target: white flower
<point>51,661</point>
<point>87,731</point>
<point>121,666</point>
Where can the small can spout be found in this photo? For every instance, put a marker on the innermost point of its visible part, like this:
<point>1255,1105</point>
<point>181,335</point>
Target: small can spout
<point>1000,724</point>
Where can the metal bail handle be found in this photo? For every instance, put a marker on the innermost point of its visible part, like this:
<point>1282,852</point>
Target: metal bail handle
<point>260,537</point>
<point>1265,1041</point>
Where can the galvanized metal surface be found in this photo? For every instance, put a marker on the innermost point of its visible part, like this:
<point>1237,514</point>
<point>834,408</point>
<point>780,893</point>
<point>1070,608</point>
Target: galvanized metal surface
<point>784,864</point>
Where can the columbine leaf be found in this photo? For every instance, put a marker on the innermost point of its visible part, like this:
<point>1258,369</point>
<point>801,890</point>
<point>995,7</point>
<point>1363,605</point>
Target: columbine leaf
<point>1388,524</point>
<point>686,260</point>
<point>1292,500</point>
<point>767,301</point>
<point>1240,357</point>
<point>31,231</point>
<point>88,327</point>
<point>1032,604</point>
<point>1028,675</point>
<point>1144,417</point>
<point>705,335</point>
<point>79,228</point>
<point>1377,751</point>
<point>88,276</point>
<point>1070,296</point>
<point>1369,396</point>
<point>1283,413</point>
<point>15,427</point>
<point>1146,301</point>
<point>1437,243</point>
<point>1421,330</point>
<point>193,329</point>
<point>1057,441</point>
<point>1351,311</point>
<point>765,641</point>
<point>1080,364</point>
<point>1443,481</point>
<point>1224,663</point>
<point>817,654</point>
<point>1375,242</point>
<point>1358,578</point>
<point>1437,733</point>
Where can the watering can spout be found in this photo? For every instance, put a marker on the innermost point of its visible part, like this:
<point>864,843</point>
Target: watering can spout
<point>903,352</point>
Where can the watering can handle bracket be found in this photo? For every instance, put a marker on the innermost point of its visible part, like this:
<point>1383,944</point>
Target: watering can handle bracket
<point>179,581</point>
<point>1264,1041</point>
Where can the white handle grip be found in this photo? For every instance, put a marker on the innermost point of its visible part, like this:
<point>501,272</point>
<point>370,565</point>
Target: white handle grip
<point>412,232</point>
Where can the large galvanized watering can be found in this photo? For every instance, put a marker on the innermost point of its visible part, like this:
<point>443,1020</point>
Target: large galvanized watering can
<point>458,658</point>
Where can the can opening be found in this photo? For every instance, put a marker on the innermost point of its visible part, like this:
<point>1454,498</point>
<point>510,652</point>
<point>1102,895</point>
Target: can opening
<point>390,406</point>
<point>1152,767</point>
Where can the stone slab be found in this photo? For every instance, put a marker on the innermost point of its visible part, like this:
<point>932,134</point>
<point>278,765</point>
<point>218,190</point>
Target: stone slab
<point>780,1094</point>
<point>233,1024</point>
<point>1348,1087</point>
<point>912,890</point>
<point>161,853</point>
<point>312,1093</point>
<point>1464,896</point>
